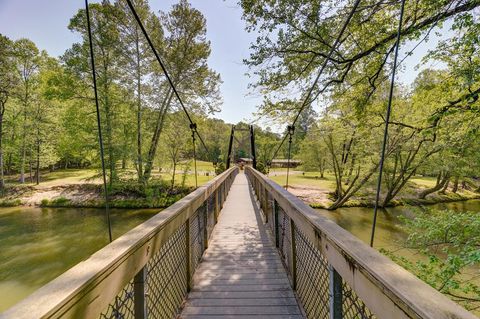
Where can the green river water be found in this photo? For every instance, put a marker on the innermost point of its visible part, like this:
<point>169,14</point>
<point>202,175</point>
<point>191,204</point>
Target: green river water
<point>38,244</point>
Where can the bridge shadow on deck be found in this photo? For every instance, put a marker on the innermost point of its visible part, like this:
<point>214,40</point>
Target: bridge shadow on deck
<point>241,274</point>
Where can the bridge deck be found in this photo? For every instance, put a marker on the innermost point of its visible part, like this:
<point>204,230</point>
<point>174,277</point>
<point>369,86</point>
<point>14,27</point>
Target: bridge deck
<point>241,275</point>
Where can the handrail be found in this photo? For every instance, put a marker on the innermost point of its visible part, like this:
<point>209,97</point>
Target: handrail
<point>375,282</point>
<point>87,289</point>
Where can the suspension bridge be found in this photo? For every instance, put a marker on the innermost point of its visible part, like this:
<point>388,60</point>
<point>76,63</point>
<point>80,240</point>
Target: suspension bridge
<point>240,246</point>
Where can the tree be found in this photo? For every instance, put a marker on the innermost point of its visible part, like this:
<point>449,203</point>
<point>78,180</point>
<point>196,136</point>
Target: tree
<point>451,242</point>
<point>287,63</point>
<point>28,59</point>
<point>313,152</point>
<point>136,56</point>
<point>8,82</point>
<point>186,51</point>
<point>105,38</point>
<point>177,138</point>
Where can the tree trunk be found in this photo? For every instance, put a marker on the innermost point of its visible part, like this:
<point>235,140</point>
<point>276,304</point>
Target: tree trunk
<point>9,164</point>
<point>22,165</point>
<point>455,184</point>
<point>322,168</point>
<point>350,171</point>
<point>441,181</point>
<point>31,167</point>
<point>173,173</point>
<point>445,187</point>
<point>38,162</point>
<point>156,136</point>
<point>2,178</point>
<point>139,113</point>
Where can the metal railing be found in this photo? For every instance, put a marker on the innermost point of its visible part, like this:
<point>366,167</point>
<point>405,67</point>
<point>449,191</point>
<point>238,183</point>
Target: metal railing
<point>334,274</point>
<point>145,273</point>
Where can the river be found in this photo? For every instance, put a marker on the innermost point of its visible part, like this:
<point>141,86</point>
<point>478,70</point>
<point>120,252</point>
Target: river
<point>388,233</point>
<point>39,244</point>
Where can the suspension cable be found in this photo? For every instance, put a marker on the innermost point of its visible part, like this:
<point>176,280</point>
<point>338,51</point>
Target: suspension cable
<point>164,69</point>
<point>387,120</point>
<point>193,127</point>
<point>100,138</point>
<point>291,131</point>
<point>307,101</point>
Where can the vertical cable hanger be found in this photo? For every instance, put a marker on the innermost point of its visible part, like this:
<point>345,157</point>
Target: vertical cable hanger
<point>193,127</point>
<point>387,120</point>
<point>308,98</point>
<point>291,131</point>
<point>99,125</point>
<point>164,69</point>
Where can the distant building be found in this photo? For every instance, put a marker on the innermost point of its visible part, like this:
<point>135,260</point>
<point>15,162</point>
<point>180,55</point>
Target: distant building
<point>284,163</point>
<point>275,163</point>
<point>245,161</point>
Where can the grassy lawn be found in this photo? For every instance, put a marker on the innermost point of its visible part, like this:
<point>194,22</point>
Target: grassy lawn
<point>81,176</point>
<point>309,179</point>
<point>424,181</point>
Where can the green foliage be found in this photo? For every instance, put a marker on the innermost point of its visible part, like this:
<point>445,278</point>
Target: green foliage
<point>56,202</point>
<point>220,168</point>
<point>10,202</point>
<point>450,243</point>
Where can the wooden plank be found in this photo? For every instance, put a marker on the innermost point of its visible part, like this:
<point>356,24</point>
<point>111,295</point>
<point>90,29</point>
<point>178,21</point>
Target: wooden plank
<point>241,317</point>
<point>241,272</point>
<point>203,302</point>
<point>240,294</point>
<point>242,310</point>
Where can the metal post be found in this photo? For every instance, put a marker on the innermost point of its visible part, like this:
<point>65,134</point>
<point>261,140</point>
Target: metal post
<point>205,226</point>
<point>335,293</point>
<point>188,255</point>
<point>199,235</point>
<point>291,131</point>
<point>293,252</point>
<point>99,122</point>
<point>387,120</point>
<point>140,302</point>
<point>252,145</point>
<point>216,207</point>
<point>265,199</point>
<point>193,127</point>
<point>275,213</point>
<point>230,145</point>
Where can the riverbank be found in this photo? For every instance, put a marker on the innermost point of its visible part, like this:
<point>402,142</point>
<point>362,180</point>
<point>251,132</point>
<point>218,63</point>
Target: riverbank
<point>317,191</point>
<point>82,188</point>
<point>90,196</point>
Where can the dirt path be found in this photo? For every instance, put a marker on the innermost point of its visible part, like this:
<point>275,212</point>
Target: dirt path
<point>310,194</point>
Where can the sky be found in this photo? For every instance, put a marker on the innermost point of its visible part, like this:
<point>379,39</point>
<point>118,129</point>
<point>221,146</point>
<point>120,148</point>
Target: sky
<point>45,23</point>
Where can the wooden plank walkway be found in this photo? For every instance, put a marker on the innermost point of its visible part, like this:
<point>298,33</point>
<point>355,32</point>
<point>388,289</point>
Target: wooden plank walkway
<point>241,275</point>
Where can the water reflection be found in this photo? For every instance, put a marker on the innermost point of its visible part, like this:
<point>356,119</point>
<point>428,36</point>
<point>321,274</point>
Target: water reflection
<point>388,233</point>
<point>38,244</point>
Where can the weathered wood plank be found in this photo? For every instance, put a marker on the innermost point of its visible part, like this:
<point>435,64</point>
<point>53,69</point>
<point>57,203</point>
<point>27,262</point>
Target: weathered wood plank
<point>241,317</point>
<point>242,310</point>
<point>241,274</point>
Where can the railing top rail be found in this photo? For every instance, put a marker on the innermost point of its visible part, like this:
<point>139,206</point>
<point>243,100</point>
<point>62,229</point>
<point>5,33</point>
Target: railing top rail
<point>387,289</point>
<point>84,290</point>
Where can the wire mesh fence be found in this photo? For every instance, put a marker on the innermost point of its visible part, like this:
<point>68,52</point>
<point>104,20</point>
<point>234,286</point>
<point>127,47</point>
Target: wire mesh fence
<point>122,306</point>
<point>166,283</point>
<point>168,273</point>
<point>308,269</point>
